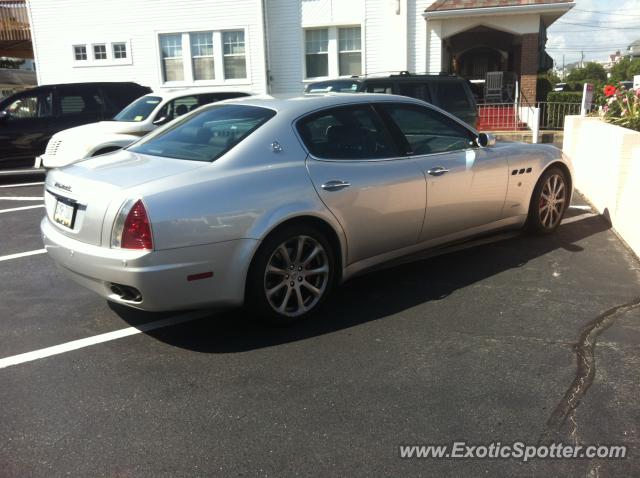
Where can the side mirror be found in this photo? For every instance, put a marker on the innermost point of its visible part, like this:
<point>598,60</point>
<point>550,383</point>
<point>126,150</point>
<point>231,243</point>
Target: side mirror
<point>160,121</point>
<point>484,140</point>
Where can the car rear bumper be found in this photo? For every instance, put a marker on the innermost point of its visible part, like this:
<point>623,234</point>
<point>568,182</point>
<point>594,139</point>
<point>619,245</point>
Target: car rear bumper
<point>164,278</point>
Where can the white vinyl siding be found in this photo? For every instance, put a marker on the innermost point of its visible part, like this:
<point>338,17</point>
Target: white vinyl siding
<point>139,23</point>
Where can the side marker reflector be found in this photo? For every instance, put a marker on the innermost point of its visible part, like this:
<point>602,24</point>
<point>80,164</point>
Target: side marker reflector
<point>202,275</point>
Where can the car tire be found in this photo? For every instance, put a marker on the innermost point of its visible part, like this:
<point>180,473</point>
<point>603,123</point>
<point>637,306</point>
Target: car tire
<point>291,275</point>
<point>549,202</point>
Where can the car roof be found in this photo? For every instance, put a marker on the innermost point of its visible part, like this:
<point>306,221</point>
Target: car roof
<point>178,93</point>
<point>295,106</point>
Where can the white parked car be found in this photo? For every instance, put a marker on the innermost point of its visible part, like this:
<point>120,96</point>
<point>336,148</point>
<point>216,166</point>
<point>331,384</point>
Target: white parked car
<point>139,118</point>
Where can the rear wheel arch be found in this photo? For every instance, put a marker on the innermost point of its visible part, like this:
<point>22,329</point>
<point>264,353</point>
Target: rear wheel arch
<point>323,226</point>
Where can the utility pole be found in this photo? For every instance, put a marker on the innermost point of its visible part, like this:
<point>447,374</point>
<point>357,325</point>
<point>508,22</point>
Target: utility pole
<point>581,59</point>
<point>563,67</point>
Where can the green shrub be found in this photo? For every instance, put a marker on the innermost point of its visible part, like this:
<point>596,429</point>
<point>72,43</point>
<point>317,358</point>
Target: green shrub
<point>564,97</point>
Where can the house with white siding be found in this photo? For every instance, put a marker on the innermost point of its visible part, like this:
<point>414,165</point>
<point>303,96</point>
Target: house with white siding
<point>276,46</point>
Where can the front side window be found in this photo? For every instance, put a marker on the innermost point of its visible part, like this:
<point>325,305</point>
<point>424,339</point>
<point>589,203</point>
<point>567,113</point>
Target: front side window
<point>120,51</point>
<point>414,90</point>
<point>235,62</point>
<point>100,52</point>
<point>171,51</point>
<point>80,52</point>
<point>206,135</point>
<point>384,88</point>
<point>317,52</point>
<point>202,55</point>
<point>349,51</point>
<point>139,110</point>
<point>352,132</point>
<point>427,131</point>
<point>32,106</point>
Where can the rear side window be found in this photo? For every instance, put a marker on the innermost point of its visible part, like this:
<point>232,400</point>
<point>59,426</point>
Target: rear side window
<point>451,95</point>
<point>352,132</point>
<point>207,135</point>
<point>428,131</point>
<point>79,101</point>
<point>415,90</point>
<point>386,88</point>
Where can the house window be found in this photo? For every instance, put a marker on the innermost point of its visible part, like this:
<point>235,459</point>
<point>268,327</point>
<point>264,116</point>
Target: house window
<point>80,52</point>
<point>202,55</point>
<point>235,64</point>
<point>119,50</point>
<point>349,51</point>
<point>171,49</point>
<point>317,52</point>
<point>100,52</point>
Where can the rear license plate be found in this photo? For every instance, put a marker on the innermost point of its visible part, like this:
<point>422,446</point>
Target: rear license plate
<point>64,214</point>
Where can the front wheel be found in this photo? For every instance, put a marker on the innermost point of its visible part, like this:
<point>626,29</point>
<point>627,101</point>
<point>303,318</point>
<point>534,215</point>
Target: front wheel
<point>549,202</point>
<point>291,275</point>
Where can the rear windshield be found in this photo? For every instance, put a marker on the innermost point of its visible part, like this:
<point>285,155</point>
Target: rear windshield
<point>139,110</point>
<point>206,135</point>
<point>451,96</point>
<point>339,86</point>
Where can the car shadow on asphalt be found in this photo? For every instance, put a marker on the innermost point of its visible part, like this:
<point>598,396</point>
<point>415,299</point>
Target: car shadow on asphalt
<point>373,296</point>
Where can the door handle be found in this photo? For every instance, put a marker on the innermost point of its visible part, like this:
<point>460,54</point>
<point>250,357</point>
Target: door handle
<point>439,171</point>
<point>335,185</point>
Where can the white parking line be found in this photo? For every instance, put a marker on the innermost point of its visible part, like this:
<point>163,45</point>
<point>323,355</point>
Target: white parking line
<point>21,198</point>
<point>579,206</point>
<point>577,218</point>
<point>21,208</point>
<point>98,339</point>
<point>20,185</point>
<point>22,254</point>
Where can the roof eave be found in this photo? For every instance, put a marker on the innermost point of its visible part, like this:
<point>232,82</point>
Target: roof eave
<point>560,8</point>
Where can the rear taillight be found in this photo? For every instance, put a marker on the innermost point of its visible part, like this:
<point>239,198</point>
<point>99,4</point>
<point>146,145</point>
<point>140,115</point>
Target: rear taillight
<point>133,230</point>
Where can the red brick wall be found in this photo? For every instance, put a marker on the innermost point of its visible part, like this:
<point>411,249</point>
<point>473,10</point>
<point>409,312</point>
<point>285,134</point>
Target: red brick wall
<point>529,67</point>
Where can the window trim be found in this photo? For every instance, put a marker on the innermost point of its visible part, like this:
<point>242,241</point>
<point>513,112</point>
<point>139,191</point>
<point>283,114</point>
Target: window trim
<point>385,131</point>
<point>93,52</point>
<point>333,51</point>
<point>86,53</point>
<point>218,59</point>
<point>399,136</point>
<point>110,60</point>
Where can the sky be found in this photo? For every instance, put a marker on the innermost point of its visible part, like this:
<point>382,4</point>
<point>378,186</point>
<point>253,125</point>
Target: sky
<point>597,27</point>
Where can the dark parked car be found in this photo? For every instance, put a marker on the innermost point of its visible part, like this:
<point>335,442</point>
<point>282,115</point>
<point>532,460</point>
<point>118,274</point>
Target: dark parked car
<point>29,118</point>
<point>449,92</point>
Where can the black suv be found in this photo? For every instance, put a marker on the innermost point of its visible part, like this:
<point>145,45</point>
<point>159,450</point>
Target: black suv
<point>449,92</point>
<point>29,118</point>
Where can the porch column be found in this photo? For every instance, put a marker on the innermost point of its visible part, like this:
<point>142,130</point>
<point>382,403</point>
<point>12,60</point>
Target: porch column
<point>434,47</point>
<point>529,68</point>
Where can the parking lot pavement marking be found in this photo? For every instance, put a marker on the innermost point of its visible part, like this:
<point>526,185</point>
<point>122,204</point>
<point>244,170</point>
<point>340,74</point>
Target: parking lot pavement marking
<point>23,208</point>
<point>20,185</point>
<point>21,198</point>
<point>580,217</point>
<point>98,339</point>
<point>580,206</point>
<point>22,254</point>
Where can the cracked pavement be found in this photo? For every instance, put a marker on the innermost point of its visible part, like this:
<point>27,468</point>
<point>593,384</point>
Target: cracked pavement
<point>478,345</point>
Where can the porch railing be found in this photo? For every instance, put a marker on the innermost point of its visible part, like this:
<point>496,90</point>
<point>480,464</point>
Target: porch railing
<point>14,21</point>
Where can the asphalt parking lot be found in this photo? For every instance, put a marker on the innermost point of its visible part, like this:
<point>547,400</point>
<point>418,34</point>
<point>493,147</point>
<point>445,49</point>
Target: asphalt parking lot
<point>519,338</point>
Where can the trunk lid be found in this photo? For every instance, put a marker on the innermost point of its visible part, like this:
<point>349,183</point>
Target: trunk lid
<point>93,186</point>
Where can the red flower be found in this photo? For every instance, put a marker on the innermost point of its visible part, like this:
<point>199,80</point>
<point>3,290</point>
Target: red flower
<point>610,90</point>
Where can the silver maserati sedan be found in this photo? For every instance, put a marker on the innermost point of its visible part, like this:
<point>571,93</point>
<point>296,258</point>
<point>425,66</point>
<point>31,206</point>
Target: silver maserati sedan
<point>271,202</point>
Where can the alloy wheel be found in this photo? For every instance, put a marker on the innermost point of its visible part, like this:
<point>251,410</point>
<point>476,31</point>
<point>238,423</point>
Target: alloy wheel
<point>296,276</point>
<point>552,201</point>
